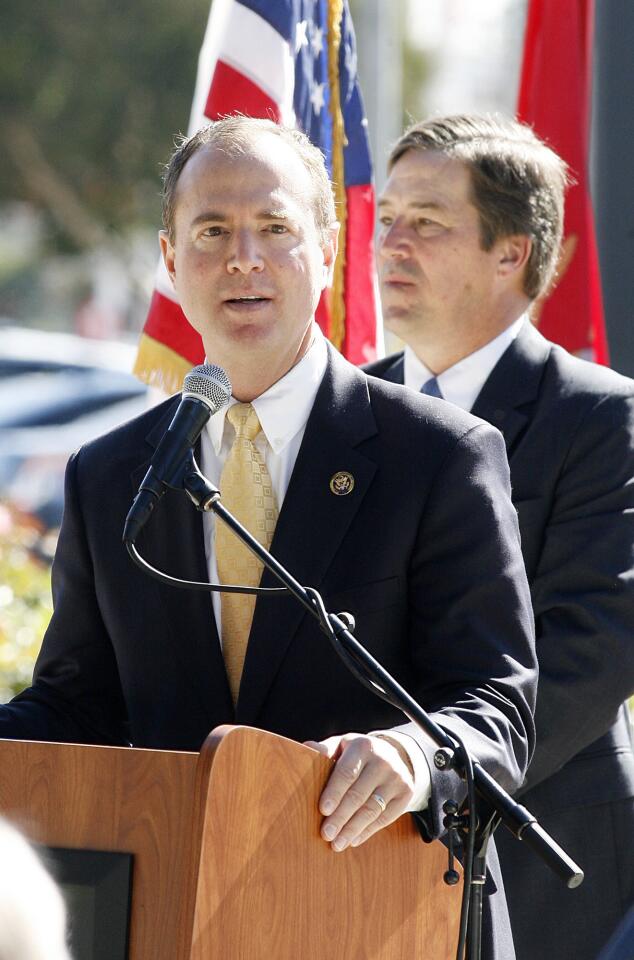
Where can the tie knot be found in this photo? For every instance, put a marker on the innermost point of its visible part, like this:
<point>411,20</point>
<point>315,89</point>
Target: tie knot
<point>432,389</point>
<point>244,420</point>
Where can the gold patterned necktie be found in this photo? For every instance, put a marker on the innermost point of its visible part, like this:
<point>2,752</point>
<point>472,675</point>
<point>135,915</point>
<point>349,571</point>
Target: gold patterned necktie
<point>246,490</point>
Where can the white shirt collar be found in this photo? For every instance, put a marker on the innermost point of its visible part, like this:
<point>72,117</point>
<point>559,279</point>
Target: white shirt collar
<point>462,383</point>
<point>284,408</point>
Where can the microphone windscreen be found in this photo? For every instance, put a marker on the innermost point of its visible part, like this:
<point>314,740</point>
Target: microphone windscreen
<point>210,384</point>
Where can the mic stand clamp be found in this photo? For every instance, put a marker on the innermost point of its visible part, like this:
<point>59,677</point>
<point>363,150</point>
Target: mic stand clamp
<point>455,824</point>
<point>202,493</point>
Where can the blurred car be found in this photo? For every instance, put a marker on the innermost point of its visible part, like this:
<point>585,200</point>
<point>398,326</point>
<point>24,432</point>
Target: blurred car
<point>56,392</point>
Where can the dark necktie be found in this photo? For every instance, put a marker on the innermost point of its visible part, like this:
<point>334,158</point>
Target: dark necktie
<point>431,388</point>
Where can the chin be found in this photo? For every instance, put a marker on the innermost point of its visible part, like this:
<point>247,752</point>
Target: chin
<point>242,335</point>
<point>398,318</point>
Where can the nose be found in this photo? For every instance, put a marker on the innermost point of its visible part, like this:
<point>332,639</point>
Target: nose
<point>244,255</point>
<point>393,240</point>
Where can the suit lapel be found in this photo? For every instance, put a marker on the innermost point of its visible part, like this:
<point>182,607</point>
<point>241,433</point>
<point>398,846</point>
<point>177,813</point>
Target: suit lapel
<point>173,541</point>
<point>395,372</point>
<point>512,387</point>
<point>313,521</point>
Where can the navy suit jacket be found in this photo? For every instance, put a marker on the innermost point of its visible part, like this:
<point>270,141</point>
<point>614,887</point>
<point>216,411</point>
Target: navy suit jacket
<point>424,551</point>
<point>568,426</point>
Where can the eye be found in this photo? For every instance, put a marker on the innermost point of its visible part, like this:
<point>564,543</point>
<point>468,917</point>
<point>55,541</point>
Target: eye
<point>385,220</point>
<point>278,228</point>
<point>214,231</point>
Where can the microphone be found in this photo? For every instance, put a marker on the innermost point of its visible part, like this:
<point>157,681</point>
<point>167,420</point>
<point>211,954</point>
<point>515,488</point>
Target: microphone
<point>206,389</point>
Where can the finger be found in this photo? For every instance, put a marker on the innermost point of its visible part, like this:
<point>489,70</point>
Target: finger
<point>319,747</point>
<point>360,755</point>
<point>328,748</point>
<point>384,782</point>
<point>350,821</point>
<point>353,757</point>
<point>365,823</point>
<point>395,809</point>
<point>356,796</point>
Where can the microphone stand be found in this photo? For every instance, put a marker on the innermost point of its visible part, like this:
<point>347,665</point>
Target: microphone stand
<point>498,804</point>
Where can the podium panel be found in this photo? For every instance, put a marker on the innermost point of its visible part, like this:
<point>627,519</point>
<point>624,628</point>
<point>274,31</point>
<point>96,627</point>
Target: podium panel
<point>113,798</point>
<point>279,890</point>
<point>228,861</point>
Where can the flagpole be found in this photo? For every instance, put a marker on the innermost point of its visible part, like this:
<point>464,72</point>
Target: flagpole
<point>612,162</point>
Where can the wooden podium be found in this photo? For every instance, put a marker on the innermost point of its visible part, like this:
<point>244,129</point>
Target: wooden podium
<point>228,861</point>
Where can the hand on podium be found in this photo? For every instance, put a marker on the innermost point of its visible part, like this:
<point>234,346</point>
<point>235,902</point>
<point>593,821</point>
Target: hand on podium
<point>371,785</point>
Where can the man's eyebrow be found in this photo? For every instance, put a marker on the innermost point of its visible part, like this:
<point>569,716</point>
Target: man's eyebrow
<point>217,216</point>
<point>278,214</point>
<point>209,216</point>
<point>416,204</point>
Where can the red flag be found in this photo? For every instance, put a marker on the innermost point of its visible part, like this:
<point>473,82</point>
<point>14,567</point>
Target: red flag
<point>554,99</point>
<point>259,58</point>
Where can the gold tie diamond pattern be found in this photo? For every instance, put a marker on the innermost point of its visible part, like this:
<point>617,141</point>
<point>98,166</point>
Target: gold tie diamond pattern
<point>246,490</point>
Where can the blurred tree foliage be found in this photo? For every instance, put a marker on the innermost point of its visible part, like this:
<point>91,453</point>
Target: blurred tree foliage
<point>25,604</point>
<point>91,95</point>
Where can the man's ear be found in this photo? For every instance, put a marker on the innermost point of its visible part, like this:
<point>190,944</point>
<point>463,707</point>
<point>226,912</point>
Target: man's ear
<point>514,254</point>
<point>168,253</point>
<point>329,248</point>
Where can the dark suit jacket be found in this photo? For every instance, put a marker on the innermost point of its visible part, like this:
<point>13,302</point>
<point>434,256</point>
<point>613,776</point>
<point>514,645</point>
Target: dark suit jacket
<point>569,432</point>
<point>424,552</point>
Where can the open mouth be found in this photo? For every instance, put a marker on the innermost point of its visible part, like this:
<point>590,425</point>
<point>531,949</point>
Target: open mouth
<point>248,300</point>
<point>248,303</point>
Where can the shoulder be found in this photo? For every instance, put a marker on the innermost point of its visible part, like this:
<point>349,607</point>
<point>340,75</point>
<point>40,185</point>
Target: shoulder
<point>427,427</point>
<point>585,397</point>
<point>409,425</point>
<point>581,378</point>
<point>392,364</point>
<point>397,427</point>
<point>550,386</point>
<point>130,443</point>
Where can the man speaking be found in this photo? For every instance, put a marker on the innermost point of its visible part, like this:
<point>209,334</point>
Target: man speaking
<point>396,507</point>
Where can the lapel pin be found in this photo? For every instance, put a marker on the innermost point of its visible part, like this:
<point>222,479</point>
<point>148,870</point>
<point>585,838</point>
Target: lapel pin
<point>342,483</point>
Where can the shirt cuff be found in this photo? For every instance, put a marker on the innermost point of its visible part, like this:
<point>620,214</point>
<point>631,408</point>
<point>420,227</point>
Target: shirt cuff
<point>417,761</point>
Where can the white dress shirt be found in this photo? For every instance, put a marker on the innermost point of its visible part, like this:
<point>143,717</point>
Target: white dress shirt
<point>462,383</point>
<point>283,412</point>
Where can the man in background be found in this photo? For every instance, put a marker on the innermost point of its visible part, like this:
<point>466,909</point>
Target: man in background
<point>471,222</point>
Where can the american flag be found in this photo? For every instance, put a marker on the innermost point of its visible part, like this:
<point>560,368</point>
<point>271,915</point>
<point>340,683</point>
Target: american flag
<point>295,62</point>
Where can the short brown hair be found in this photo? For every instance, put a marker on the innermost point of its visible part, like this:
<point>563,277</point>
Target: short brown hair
<point>234,135</point>
<point>518,182</point>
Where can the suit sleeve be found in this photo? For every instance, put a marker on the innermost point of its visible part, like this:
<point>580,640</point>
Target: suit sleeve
<point>471,620</point>
<point>583,590</point>
<point>76,695</point>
